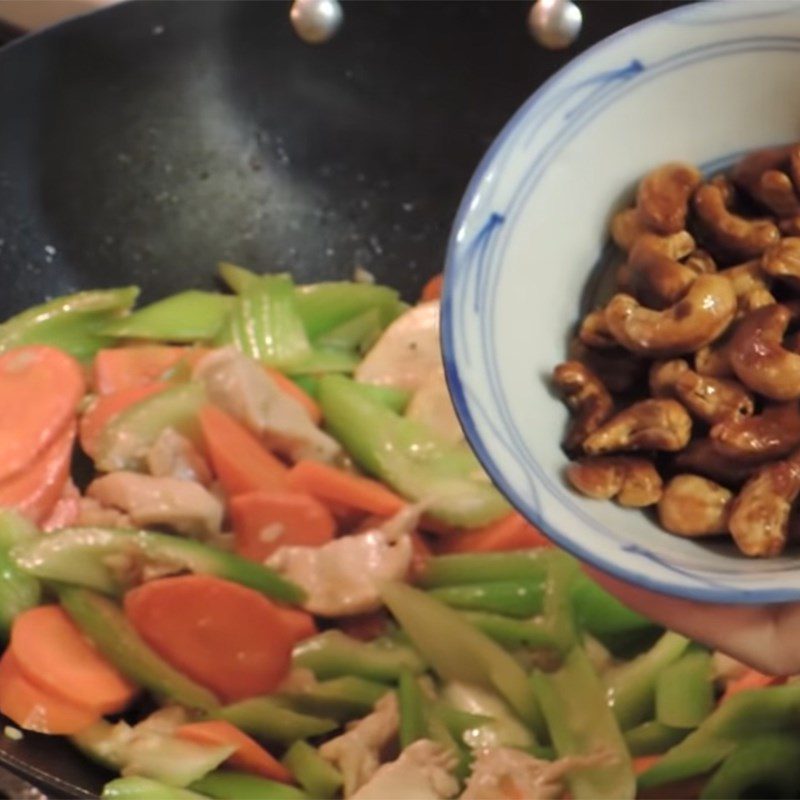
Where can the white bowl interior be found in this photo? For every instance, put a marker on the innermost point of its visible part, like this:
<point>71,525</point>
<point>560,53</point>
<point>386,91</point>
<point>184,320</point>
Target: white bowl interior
<point>701,83</point>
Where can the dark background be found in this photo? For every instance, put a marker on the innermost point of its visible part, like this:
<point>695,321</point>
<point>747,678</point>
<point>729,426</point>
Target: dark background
<point>143,143</point>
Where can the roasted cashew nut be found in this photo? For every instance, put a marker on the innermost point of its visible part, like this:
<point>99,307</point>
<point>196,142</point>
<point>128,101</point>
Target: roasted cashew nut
<point>664,375</point>
<point>633,482</point>
<point>758,356</point>
<point>739,237</point>
<point>714,360</point>
<point>761,174</point>
<point>751,285</point>
<point>700,456</point>
<point>759,519</point>
<point>693,506</point>
<point>774,433</point>
<point>661,424</point>
<point>626,227</point>
<point>698,319</point>
<point>701,262</point>
<point>713,400</point>
<point>782,260</point>
<point>654,276</point>
<point>617,369</point>
<point>794,165</point>
<point>662,199</point>
<point>594,331</point>
<point>586,397</point>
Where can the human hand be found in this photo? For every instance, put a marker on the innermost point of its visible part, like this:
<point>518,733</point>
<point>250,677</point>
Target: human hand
<point>766,638</point>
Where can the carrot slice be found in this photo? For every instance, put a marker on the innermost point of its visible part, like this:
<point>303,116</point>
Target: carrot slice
<point>289,387</point>
<point>300,623</point>
<point>337,486</point>
<point>752,679</point>
<point>34,709</point>
<point>265,521</point>
<point>239,460</point>
<point>249,754</point>
<point>122,368</point>
<point>512,532</point>
<point>40,388</point>
<point>226,637</point>
<point>106,406</point>
<point>432,290</point>
<point>34,492</point>
<point>643,763</point>
<point>54,655</point>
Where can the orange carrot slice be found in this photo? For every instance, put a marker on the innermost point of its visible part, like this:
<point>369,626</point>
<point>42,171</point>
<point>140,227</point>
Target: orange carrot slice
<point>249,755</point>
<point>226,637</point>
<point>34,492</point>
<point>53,654</point>
<point>122,368</point>
<point>751,679</point>
<point>289,387</point>
<point>643,763</point>
<point>40,388</point>
<point>298,622</point>
<point>107,406</point>
<point>34,709</point>
<point>337,486</point>
<point>432,290</point>
<point>239,460</point>
<point>512,532</point>
<point>265,521</point>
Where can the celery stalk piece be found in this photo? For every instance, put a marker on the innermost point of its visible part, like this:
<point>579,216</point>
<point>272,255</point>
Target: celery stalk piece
<point>766,765</point>
<point>775,709</point>
<point>18,592</point>
<point>518,599</point>
<point>324,306</point>
<point>581,724</point>
<point>236,278</point>
<point>73,323</point>
<point>631,686</point>
<point>229,785</point>
<point>394,399</point>
<point>529,566</point>
<point>106,559</point>
<point>356,334</point>
<point>457,651</point>
<point>341,699</point>
<point>323,360</point>
<point>514,633</point>
<point>267,718</point>
<point>410,457</point>
<point>411,705</point>
<point>136,788</point>
<point>653,738</point>
<point>106,625</point>
<point>316,775</point>
<point>265,325</point>
<point>186,317</point>
<point>126,440</point>
<point>333,654</point>
<point>684,694</point>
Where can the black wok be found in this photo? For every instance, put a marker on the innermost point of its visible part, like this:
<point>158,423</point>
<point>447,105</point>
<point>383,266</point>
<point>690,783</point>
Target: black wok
<point>143,143</point>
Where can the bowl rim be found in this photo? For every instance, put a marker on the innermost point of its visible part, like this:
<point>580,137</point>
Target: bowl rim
<point>698,590</point>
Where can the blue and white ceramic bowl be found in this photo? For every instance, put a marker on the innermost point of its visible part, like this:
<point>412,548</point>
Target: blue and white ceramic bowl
<point>701,83</point>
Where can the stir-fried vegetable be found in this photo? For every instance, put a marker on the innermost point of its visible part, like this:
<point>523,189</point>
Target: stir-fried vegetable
<point>336,602</point>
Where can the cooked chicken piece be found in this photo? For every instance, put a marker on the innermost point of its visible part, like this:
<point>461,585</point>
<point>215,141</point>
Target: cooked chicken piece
<point>93,514</point>
<point>341,578</point>
<point>407,352</point>
<point>503,772</point>
<point>242,388</point>
<point>423,771</point>
<point>356,753</point>
<point>432,406</point>
<point>185,506</point>
<point>174,456</point>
